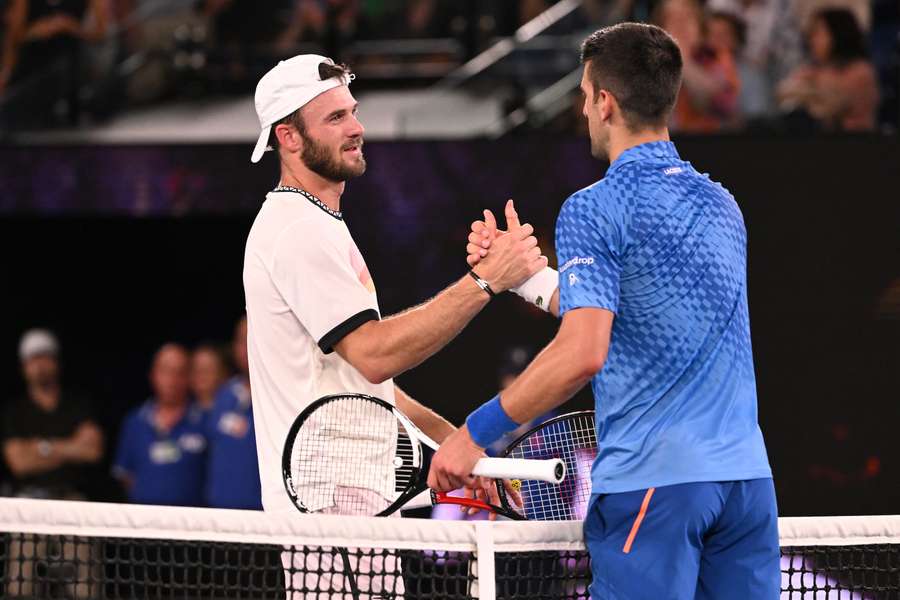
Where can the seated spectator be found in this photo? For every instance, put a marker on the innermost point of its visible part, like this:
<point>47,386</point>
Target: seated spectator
<point>773,47</point>
<point>726,33</point>
<point>49,436</point>
<point>233,474</point>
<point>209,370</point>
<point>838,90</point>
<point>43,42</point>
<point>329,22</point>
<point>161,457</point>
<point>707,101</point>
<point>308,20</point>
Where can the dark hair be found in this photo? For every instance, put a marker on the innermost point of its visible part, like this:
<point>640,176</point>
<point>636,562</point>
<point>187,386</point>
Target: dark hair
<point>326,71</point>
<point>640,65</point>
<point>737,25</point>
<point>848,42</point>
<point>219,351</point>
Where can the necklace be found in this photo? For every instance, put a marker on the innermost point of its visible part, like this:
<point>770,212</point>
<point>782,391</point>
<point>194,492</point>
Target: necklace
<point>334,213</point>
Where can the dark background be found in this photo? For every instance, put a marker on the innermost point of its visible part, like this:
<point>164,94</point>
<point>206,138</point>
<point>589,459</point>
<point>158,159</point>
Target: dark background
<point>119,249</point>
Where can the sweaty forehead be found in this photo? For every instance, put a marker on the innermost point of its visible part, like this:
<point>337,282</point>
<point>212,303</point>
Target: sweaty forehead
<point>338,98</point>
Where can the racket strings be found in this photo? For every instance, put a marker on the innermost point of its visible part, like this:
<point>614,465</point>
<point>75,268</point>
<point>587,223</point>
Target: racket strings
<point>343,457</point>
<point>573,440</point>
<point>405,460</point>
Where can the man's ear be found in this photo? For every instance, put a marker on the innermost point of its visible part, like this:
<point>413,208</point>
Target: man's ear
<point>606,105</point>
<point>288,137</point>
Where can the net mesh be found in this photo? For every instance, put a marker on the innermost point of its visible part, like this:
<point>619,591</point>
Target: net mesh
<point>74,550</point>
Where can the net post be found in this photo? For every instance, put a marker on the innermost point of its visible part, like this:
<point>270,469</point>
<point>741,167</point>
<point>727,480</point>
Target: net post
<point>484,551</point>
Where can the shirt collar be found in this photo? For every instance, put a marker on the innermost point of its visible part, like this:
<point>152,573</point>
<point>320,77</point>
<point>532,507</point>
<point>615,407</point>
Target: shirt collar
<point>660,149</point>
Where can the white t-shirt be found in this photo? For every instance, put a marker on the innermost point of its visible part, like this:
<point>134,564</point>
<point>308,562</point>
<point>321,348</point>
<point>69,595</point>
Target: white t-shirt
<point>306,287</point>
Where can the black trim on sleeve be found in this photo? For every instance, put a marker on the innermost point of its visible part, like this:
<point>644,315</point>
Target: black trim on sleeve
<point>326,344</point>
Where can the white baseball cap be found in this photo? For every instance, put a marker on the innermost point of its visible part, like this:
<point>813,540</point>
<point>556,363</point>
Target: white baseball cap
<point>36,342</point>
<point>289,85</point>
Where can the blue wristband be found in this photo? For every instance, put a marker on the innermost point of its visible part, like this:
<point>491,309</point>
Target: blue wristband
<point>489,422</point>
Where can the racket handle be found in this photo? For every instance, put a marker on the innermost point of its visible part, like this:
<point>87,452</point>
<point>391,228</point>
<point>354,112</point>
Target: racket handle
<point>551,470</point>
<point>424,499</point>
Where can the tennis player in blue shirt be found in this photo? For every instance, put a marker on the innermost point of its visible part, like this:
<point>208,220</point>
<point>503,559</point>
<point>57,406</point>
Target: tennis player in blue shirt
<point>653,298</point>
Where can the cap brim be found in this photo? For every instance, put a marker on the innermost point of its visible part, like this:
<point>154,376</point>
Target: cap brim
<point>261,144</point>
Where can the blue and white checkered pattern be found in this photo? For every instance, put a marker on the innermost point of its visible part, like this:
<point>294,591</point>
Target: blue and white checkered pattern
<point>664,248</point>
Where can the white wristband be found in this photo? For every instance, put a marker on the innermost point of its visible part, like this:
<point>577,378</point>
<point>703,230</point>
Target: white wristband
<point>539,289</point>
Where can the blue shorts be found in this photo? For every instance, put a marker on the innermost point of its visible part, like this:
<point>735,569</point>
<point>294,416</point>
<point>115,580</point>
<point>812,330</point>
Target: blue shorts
<point>693,541</point>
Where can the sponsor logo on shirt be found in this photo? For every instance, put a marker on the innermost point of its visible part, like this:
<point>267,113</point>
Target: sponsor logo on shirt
<point>578,260</point>
<point>164,452</point>
<point>673,171</point>
<point>572,279</point>
<point>234,424</point>
<point>192,442</point>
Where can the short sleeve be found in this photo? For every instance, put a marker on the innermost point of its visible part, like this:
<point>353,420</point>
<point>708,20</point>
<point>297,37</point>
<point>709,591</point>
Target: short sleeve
<point>324,281</point>
<point>588,244</point>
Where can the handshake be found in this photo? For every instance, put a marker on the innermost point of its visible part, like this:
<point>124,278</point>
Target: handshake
<point>511,259</point>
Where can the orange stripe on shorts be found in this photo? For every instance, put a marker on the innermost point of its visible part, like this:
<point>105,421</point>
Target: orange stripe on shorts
<point>638,520</point>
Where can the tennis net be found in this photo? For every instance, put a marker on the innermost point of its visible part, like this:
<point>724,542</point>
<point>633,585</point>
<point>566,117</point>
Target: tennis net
<point>78,550</point>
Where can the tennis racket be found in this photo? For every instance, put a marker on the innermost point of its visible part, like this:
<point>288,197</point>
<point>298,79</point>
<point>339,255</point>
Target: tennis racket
<point>571,438</point>
<point>361,455</point>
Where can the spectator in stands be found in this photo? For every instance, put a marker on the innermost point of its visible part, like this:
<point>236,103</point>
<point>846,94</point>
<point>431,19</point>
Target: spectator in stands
<point>839,88</point>
<point>773,48</point>
<point>329,22</point>
<point>233,474</point>
<point>707,101</point>
<point>242,23</point>
<point>49,436</point>
<point>209,370</point>
<point>726,33</point>
<point>8,47</point>
<point>308,21</point>
<point>161,457</point>
<point>42,45</point>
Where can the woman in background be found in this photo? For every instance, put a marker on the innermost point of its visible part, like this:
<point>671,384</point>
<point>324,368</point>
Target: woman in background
<point>209,370</point>
<point>708,99</point>
<point>839,88</point>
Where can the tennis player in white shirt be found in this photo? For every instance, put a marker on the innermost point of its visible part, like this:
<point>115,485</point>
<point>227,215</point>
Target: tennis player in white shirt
<point>314,323</point>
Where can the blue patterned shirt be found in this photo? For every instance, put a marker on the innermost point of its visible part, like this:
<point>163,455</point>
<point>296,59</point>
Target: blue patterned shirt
<point>664,248</point>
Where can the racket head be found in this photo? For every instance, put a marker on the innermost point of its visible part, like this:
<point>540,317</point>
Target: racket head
<point>571,437</point>
<point>352,452</point>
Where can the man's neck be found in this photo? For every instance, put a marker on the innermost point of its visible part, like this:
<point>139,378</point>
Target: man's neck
<point>627,139</point>
<point>329,192</point>
<point>45,396</point>
<point>167,414</point>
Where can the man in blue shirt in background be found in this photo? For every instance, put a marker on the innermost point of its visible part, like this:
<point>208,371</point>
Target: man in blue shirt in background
<point>233,475</point>
<point>652,290</point>
<point>161,457</point>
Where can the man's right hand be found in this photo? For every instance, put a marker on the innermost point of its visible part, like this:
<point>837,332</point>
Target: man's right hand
<point>483,234</point>
<point>514,255</point>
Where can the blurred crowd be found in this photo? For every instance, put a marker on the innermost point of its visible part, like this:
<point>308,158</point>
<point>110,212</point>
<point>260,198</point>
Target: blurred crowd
<point>65,59</point>
<point>802,64</point>
<point>191,443</point>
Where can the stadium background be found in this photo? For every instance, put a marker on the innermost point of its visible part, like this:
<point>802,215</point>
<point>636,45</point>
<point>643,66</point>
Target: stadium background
<point>121,246</point>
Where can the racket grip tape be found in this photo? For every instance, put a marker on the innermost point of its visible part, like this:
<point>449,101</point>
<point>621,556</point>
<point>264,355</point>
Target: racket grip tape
<point>552,470</point>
